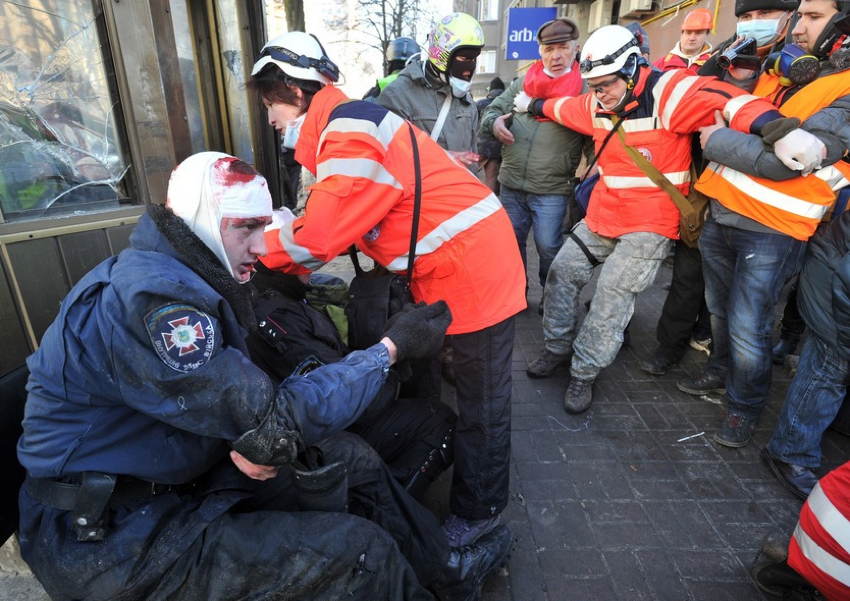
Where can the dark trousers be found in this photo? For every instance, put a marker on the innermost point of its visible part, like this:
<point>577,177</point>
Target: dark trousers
<point>185,547</point>
<point>792,324</point>
<point>684,312</point>
<point>482,364</point>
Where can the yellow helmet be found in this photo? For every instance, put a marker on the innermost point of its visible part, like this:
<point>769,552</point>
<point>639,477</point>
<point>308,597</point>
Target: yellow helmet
<point>451,33</point>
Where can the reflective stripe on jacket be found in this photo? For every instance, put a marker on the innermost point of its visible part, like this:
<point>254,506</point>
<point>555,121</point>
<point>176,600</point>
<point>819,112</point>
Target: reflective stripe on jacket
<point>820,548</point>
<point>362,156</point>
<point>667,108</point>
<point>795,206</point>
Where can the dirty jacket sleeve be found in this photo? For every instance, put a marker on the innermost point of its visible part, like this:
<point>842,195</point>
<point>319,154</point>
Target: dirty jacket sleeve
<point>353,193</point>
<point>227,395</point>
<point>748,154</point>
<point>501,105</point>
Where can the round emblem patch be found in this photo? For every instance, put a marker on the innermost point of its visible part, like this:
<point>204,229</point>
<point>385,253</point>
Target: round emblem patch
<point>646,153</point>
<point>182,336</point>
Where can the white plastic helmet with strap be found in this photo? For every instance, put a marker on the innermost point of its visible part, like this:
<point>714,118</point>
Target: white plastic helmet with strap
<point>299,55</point>
<point>450,34</point>
<point>607,51</point>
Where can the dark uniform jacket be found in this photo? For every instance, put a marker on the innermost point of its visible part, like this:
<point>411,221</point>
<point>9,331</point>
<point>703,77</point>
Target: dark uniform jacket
<point>144,373</point>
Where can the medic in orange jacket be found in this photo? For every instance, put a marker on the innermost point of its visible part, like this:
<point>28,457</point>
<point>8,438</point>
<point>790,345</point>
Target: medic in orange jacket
<point>666,109</point>
<point>361,154</point>
<point>820,548</point>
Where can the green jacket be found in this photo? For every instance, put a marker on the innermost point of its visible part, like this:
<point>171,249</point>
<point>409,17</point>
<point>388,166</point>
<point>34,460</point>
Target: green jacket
<point>417,98</point>
<point>544,156</point>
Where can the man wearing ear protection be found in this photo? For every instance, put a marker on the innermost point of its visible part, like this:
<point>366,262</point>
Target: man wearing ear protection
<point>434,95</point>
<point>755,238</point>
<point>631,222</point>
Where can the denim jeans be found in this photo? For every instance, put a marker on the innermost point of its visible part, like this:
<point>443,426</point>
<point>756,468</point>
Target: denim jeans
<point>812,402</point>
<point>744,274</point>
<point>542,213</point>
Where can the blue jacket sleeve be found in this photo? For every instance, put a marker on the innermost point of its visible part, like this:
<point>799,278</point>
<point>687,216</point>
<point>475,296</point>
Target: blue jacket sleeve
<point>332,397</point>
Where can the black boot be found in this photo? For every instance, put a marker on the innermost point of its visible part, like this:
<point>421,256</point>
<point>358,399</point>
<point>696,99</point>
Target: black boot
<point>468,567</point>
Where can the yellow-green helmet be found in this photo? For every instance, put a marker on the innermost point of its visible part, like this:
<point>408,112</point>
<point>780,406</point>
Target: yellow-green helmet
<point>451,33</point>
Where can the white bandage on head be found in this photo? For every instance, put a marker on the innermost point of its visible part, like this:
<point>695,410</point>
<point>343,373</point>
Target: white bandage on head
<point>208,186</point>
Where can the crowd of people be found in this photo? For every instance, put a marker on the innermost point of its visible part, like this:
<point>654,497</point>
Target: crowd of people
<point>195,430</point>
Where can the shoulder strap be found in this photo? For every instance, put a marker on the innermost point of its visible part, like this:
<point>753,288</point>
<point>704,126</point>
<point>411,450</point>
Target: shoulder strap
<point>417,201</point>
<point>614,129</point>
<point>685,207</point>
<point>441,118</point>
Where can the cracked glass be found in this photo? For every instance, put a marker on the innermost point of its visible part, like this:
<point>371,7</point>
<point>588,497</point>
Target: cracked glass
<point>60,149</point>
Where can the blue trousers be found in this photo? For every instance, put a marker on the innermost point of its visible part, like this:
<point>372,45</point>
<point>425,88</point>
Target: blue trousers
<point>812,402</point>
<point>542,213</point>
<point>744,274</point>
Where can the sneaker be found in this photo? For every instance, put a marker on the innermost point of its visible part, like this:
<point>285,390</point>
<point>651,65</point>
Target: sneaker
<point>736,431</point>
<point>546,364</point>
<point>702,345</point>
<point>469,566</point>
<point>461,532</point>
<point>659,363</point>
<point>798,479</point>
<point>707,382</point>
<point>579,396</point>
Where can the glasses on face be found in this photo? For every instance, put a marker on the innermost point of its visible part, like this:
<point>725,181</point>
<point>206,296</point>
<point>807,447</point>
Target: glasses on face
<point>602,86</point>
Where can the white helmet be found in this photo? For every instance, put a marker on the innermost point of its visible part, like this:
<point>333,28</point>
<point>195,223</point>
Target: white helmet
<point>299,55</point>
<point>607,50</point>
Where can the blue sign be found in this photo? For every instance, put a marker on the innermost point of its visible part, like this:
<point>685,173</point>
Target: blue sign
<point>523,24</point>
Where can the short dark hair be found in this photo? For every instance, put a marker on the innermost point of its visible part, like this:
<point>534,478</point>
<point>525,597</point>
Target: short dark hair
<point>274,85</point>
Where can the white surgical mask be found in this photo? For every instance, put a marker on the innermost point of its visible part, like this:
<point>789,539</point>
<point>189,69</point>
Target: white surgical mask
<point>292,131</point>
<point>762,30</point>
<point>460,87</point>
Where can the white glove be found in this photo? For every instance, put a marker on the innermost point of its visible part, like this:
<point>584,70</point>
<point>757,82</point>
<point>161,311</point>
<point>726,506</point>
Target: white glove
<point>801,151</point>
<point>280,218</point>
<point>521,102</point>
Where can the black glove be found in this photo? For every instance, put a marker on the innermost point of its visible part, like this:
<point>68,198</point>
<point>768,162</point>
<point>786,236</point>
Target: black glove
<point>776,129</point>
<point>418,330</point>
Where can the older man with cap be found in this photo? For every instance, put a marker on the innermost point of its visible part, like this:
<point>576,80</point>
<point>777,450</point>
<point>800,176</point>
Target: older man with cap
<point>539,157</point>
<point>161,463</point>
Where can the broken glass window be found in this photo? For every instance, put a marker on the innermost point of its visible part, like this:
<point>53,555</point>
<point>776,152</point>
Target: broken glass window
<point>60,150</point>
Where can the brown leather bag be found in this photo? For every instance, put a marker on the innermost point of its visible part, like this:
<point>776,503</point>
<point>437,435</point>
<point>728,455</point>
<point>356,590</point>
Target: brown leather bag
<point>692,208</point>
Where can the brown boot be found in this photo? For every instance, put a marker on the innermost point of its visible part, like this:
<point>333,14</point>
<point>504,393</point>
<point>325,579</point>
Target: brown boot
<point>546,364</point>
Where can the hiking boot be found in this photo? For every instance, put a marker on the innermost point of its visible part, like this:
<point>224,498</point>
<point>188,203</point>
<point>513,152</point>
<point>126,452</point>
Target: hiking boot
<point>469,566</point>
<point>659,363</point>
<point>546,364</point>
<point>461,532</point>
<point>708,382</point>
<point>798,479</point>
<point>579,396</point>
<point>736,431</point>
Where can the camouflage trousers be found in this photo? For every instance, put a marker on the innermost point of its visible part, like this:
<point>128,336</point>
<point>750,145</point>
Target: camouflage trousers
<point>628,266</point>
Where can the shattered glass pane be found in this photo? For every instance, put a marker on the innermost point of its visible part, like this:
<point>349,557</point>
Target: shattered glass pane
<point>60,152</point>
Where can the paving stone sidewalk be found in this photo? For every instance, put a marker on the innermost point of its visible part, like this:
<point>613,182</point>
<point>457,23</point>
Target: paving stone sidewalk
<point>610,505</point>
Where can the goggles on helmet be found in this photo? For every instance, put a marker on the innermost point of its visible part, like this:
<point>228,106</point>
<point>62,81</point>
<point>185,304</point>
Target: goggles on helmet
<point>588,65</point>
<point>323,65</point>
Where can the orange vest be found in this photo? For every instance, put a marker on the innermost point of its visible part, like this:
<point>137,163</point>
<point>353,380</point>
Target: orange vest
<point>820,548</point>
<point>667,109</point>
<point>361,153</point>
<point>677,61</point>
<point>795,206</point>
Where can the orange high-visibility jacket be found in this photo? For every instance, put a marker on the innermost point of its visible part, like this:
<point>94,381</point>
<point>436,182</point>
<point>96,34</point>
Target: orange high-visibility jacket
<point>361,153</point>
<point>820,548</point>
<point>675,59</point>
<point>794,206</point>
<point>667,109</point>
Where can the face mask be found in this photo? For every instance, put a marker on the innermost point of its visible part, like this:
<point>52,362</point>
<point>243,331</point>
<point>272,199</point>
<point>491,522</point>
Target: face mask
<point>292,131</point>
<point>460,87</point>
<point>762,30</point>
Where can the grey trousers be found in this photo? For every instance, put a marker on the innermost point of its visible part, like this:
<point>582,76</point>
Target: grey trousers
<point>629,265</point>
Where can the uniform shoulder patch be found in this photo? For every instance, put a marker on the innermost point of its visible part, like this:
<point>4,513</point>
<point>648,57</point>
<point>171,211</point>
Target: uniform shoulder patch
<point>182,336</point>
